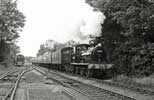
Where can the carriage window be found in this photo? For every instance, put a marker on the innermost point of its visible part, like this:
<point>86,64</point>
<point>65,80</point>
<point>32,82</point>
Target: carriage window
<point>78,48</point>
<point>84,48</point>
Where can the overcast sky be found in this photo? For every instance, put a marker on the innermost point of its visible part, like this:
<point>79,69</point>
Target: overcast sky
<point>60,20</point>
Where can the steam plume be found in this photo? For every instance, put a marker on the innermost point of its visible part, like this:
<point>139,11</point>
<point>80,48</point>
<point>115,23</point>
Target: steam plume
<point>91,24</point>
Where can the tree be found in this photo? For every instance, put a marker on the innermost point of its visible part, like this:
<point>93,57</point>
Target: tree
<point>71,43</point>
<point>49,46</point>
<point>42,50</point>
<point>11,23</point>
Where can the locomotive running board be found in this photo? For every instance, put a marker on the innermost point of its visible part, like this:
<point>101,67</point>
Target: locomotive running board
<point>94,66</point>
<point>80,64</point>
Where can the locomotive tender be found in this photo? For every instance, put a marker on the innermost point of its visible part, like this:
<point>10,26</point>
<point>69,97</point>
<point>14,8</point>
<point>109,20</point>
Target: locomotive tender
<point>80,59</point>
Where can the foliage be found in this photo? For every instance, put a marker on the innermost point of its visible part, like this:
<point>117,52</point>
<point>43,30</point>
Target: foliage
<point>11,23</point>
<point>28,59</point>
<point>133,60</point>
<point>49,46</point>
<point>111,36</point>
<point>71,43</point>
<point>137,19</point>
<point>128,31</point>
<point>42,50</point>
<point>143,61</point>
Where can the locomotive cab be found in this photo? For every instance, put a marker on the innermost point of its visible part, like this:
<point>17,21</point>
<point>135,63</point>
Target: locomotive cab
<point>78,51</point>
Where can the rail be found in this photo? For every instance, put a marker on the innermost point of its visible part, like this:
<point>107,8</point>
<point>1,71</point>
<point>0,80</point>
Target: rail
<point>13,88</point>
<point>99,90</point>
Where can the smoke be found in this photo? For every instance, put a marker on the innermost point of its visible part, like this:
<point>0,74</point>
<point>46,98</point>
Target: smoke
<point>90,23</point>
<point>61,20</point>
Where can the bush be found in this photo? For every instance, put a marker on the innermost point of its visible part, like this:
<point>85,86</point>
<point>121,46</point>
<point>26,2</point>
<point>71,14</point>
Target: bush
<point>133,60</point>
<point>143,61</point>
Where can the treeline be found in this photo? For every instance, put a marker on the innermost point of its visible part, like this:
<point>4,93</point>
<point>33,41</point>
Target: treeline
<point>128,34</point>
<point>11,23</point>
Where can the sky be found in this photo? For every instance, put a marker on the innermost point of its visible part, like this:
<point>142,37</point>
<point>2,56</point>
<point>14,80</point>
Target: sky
<point>60,20</point>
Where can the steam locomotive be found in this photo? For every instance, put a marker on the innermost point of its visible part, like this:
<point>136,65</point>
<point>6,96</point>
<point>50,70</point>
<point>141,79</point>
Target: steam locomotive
<point>81,59</point>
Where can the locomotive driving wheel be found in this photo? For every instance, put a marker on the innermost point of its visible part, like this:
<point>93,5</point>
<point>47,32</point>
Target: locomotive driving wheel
<point>89,72</point>
<point>82,72</point>
<point>76,71</point>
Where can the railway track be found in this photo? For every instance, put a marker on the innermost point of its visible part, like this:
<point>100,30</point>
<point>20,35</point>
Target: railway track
<point>135,84</point>
<point>94,93</point>
<point>64,91</point>
<point>140,88</point>
<point>137,87</point>
<point>9,83</point>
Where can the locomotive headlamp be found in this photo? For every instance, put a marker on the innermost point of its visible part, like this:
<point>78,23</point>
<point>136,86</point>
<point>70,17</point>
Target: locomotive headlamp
<point>73,57</point>
<point>99,44</point>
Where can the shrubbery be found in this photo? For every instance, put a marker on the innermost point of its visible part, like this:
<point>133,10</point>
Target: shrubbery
<point>138,61</point>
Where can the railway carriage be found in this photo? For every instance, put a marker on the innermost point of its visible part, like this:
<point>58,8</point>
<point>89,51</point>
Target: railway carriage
<point>19,60</point>
<point>56,60</point>
<point>46,59</point>
<point>67,54</point>
<point>43,60</point>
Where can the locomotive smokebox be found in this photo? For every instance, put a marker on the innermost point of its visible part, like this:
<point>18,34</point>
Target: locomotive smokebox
<point>99,40</point>
<point>99,55</point>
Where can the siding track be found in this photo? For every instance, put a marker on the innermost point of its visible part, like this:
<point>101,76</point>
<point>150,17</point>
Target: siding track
<point>9,83</point>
